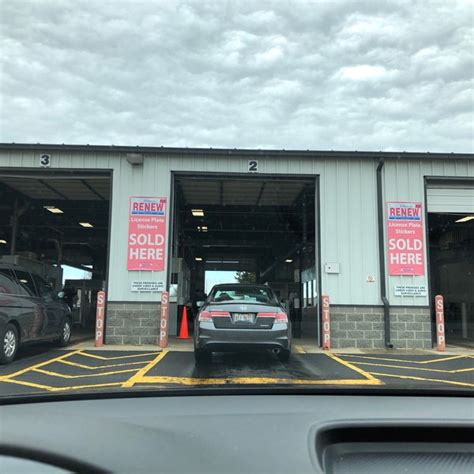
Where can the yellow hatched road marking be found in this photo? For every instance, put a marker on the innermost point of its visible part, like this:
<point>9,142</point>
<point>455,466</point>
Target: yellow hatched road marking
<point>29,384</point>
<point>352,367</point>
<point>65,376</point>
<point>455,371</point>
<point>107,366</point>
<point>422,379</point>
<point>94,356</point>
<point>139,375</point>
<point>432,361</point>
<point>5,378</point>
<point>251,380</point>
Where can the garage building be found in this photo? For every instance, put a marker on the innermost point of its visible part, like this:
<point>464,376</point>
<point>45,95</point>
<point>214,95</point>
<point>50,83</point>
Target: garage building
<point>380,233</point>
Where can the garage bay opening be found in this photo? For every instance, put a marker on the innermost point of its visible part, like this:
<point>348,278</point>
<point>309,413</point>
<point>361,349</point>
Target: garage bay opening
<point>54,228</point>
<point>451,239</point>
<point>255,229</point>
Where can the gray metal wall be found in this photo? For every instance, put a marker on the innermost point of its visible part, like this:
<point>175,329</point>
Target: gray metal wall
<point>404,181</point>
<point>348,208</point>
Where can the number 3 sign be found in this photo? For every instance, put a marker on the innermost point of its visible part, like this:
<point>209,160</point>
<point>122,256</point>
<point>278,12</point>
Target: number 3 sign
<point>45,160</point>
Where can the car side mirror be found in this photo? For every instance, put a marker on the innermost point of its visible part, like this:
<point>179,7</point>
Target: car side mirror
<point>61,295</point>
<point>199,303</point>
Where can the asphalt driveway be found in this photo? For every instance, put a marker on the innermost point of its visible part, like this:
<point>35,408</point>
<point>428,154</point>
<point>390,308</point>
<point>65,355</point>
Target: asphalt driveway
<point>66,371</point>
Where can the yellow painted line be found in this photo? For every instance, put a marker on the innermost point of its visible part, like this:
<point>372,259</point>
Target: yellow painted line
<point>140,374</point>
<point>107,366</point>
<point>63,389</point>
<point>29,384</point>
<point>422,379</point>
<point>94,356</point>
<point>432,361</point>
<point>299,349</point>
<point>350,366</point>
<point>251,381</point>
<point>5,378</point>
<point>444,371</point>
<point>79,387</point>
<point>65,376</point>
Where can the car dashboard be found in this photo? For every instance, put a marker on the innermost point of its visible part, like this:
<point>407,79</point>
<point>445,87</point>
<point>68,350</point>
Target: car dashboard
<point>312,433</point>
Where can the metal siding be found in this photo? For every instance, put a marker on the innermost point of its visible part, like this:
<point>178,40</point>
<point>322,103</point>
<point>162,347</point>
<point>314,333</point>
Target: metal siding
<point>348,236</point>
<point>348,208</point>
<point>404,181</point>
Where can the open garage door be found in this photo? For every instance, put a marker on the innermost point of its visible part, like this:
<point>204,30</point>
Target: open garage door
<point>252,229</point>
<point>450,197</point>
<point>55,225</point>
<point>450,207</point>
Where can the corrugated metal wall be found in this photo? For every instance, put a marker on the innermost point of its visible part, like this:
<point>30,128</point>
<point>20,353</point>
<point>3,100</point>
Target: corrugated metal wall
<point>348,208</point>
<point>404,181</point>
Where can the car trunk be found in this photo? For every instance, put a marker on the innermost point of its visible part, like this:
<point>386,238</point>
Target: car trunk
<point>242,315</point>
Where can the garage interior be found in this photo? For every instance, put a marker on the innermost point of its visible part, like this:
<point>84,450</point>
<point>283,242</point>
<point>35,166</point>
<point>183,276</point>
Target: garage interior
<point>49,220</point>
<point>451,238</point>
<point>261,228</point>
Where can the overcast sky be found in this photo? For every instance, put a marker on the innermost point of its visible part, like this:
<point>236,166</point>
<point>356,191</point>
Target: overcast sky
<point>296,75</point>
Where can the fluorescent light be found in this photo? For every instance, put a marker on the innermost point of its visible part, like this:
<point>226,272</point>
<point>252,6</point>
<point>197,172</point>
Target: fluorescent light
<point>86,224</point>
<point>197,212</point>
<point>53,209</point>
<point>204,228</point>
<point>465,219</point>
<point>2,241</point>
<point>198,259</point>
<point>23,280</point>
<point>289,260</point>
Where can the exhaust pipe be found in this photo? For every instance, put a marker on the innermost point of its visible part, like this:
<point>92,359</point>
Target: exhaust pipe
<point>276,351</point>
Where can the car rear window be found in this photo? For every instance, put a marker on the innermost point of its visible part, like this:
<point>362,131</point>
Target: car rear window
<point>247,294</point>
<point>7,282</point>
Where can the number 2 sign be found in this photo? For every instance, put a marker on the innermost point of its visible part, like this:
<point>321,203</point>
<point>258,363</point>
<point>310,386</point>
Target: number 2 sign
<point>253,166</point>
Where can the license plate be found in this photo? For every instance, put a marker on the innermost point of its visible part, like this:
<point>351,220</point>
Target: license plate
<point>243,318</point>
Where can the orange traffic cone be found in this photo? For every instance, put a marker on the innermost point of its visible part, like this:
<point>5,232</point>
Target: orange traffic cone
<point>183,330</point>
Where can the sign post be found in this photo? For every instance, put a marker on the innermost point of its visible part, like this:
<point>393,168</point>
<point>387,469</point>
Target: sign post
<point>440,339</point>
<point>99,319</point>
<point>326,312</point>
<point>164,312</point>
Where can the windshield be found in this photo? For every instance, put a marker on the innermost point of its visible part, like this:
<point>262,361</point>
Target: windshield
<point>233,194</point>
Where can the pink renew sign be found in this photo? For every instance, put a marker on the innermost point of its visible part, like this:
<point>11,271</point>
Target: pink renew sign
<point>405,238</point>
<point>146,233</point>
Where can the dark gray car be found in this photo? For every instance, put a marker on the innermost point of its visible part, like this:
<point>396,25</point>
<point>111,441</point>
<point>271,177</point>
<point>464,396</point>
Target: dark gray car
<point>239,317</point>
<point>30,311</point>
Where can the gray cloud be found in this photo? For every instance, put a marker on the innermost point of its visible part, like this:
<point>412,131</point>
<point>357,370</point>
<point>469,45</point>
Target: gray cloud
<point>295,75</point>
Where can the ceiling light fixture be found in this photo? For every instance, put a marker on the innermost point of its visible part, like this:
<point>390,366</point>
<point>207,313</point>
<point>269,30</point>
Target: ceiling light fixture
<point>289,260</point>
<point>465,219</point>
<point>197,212</point>
<point>2,241</point>
<point>198,259</point>
<point>53,209</point>
<point>86,224</point>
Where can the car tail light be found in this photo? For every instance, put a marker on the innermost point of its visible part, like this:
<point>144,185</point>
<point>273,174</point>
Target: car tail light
<point>208,315</point>
<point>205,316</point>
<point>282,317</point>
